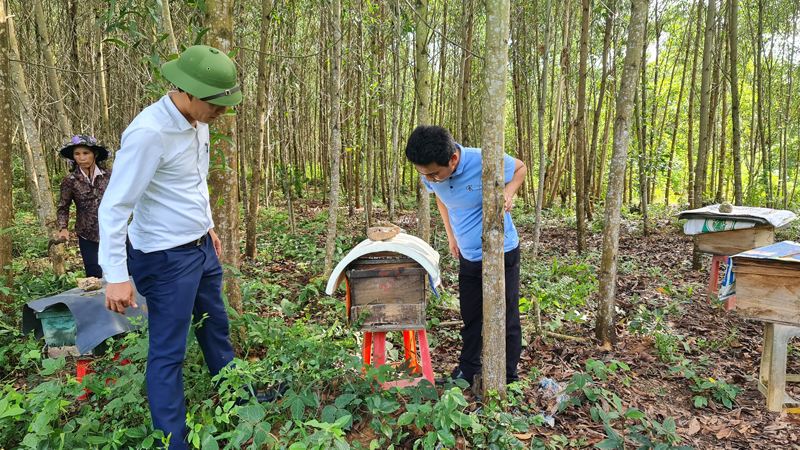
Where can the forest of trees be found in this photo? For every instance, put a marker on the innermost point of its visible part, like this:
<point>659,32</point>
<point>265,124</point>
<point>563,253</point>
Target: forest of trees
<point>612,105</point>
<point>712,120</point>
<point>713,110</point>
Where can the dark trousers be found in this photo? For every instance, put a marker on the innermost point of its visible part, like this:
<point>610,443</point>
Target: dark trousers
<point>470,286</point>
<point>181,285</point>
<point>89,251</point>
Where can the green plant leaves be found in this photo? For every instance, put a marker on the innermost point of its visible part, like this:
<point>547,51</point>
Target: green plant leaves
<point>251,413</point>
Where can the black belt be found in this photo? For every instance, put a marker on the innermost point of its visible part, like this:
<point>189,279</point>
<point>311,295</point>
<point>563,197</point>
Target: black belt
<point>195,243</point>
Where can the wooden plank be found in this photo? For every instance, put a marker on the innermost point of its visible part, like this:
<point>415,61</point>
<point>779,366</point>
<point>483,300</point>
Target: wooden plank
<point>389,317</point>
<point>387,290</point>
<point>735,241</point>
<point>768,297</point>
<point>388,271</point>
<point>390,260</point>
<point>778,271</point>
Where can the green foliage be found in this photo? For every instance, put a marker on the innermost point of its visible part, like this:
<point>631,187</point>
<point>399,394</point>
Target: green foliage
<point>561,287</point>
<point>619,422</point>
<point>718,390</point>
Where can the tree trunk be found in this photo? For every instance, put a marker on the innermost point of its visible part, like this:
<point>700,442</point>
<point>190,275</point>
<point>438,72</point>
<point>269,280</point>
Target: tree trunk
<point>101,78</point>
<point>787,121</point>
<point>423,97</point>
<point>166,27</point>
<point>6,174</point>
<point>640,109</point>
<point>494,108</point>
<point>601,95</point>
<point>50,61</point>
<point>224,183</point>
<point>462,122</point>
<point>396,98</point>
<point>606,331</point>
<point>719,197</point>
<point>336,139</point>
<point>45,208</point>
<point>542,104</point>
<point>675,124</point>
<point>580,130</point>
<point>736,145</point>
<point>690,114</point>
<point>258,153</point>
<point>705,89</point>
<point>767,170</point>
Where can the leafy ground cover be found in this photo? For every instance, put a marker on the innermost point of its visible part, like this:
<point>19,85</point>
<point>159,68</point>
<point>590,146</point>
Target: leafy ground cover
<point>682,374</point>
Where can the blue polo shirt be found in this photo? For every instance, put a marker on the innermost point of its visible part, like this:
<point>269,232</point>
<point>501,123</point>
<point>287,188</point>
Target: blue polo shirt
<point>462,194</point>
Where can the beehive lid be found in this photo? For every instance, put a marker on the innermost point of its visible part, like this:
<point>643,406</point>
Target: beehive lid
<point>405,244</point>
<point>94,323</point>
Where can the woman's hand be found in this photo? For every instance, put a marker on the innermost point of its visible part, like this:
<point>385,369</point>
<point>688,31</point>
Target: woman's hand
<point>63,235</point>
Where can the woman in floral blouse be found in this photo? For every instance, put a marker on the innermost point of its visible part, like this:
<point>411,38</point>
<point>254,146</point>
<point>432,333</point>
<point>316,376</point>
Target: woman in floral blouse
<point>85,186</point>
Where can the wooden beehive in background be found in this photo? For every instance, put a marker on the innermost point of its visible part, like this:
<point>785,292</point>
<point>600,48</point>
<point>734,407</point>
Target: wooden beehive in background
<point>387,292</point>
<point>735,241</point>
<point>768,289</point>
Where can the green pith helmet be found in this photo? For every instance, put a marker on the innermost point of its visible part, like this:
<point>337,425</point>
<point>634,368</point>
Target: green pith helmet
<point>205,73</point>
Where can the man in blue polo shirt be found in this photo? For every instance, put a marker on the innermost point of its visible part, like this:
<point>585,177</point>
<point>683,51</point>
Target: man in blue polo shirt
<point>453,173</point>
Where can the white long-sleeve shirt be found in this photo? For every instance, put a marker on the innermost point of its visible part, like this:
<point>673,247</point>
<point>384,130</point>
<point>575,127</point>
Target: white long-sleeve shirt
<point>160,175</point>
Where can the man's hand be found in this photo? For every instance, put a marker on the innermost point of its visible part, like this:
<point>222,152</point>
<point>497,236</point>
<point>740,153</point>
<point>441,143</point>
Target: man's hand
<point>453,247</point>
<point>63,235</point>
<point>120,296</point>
<point>217,242</point>
<point>509,201</point>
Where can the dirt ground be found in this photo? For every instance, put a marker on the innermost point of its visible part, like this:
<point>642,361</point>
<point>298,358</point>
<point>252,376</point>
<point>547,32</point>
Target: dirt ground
<point>659,394</point>
<point>735,359</point>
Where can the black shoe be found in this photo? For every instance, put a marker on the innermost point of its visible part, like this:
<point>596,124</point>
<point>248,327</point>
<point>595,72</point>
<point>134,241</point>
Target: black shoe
<point>268,395</point>
<point>457,374</point>
<point>271,394</point>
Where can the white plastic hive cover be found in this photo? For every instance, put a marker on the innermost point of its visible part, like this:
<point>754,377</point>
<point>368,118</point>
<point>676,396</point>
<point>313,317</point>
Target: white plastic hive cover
<point>405,244</point>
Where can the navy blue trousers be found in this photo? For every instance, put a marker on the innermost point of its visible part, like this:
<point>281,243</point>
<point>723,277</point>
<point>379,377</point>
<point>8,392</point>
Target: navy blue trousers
<point>470,287</point>
<point>89,251</point>
<point>181,285</point>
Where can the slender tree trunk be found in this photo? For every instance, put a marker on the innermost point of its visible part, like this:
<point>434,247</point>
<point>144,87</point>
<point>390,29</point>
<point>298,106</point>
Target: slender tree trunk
<point>45,208</point>
<point>423,97</point>
<point>223,183</point>
<point>723,136</point>
<point>462,124</point>
<point>166,27</point>
<point>261,117</point>
<point>6,174</point>
<point>736,147</point>
<point>606,325</point>
<point>542,104</point>
<point>396,99</point>
<point>705,89</point>
<point>494,309</point>
<point>336,139</point>
<point>787,121</point>
<point>50,61</point>
<point>690,114</point>
<point>678,112</point>
<point>580,130</point>
<point>765,163</point>
<point>103,92</point>
<point>601,95</point>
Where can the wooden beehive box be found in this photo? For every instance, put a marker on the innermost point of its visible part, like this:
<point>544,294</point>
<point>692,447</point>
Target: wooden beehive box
<point>387,292</point>
<point>768,289</point>
<point>735,241</point>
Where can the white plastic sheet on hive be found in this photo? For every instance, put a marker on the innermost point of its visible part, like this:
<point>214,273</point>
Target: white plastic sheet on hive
<point>405,244</point>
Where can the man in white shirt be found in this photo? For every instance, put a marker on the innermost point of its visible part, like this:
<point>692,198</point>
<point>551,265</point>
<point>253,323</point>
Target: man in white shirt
<point>172,251</point>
